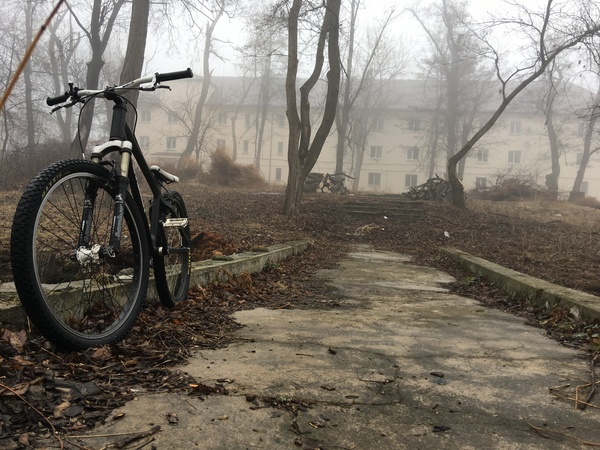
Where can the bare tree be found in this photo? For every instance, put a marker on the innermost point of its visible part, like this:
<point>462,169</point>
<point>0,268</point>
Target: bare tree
<point>30,14</point>
<point>247,86</point>
<point>303,149</point>
<point>455,69</point>
<point>559,27</point>
<point>376,92</point>
<point>61,54</point>
<point>219,10</point>
<point>548,107</point>
<point>590,119</point>
<point>104,14</point>
<point>354,84</point>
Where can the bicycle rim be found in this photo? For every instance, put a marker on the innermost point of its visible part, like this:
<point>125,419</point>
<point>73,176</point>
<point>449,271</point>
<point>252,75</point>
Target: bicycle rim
<point>172,262</point>
<point>77,297</point>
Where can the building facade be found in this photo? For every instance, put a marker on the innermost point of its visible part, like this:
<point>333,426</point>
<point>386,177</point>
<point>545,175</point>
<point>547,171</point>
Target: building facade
<point>397,152</point>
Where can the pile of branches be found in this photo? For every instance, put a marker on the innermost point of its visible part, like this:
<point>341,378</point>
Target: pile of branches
<point>508,189</point>
<point>435,188</point>
<point>331,184</point>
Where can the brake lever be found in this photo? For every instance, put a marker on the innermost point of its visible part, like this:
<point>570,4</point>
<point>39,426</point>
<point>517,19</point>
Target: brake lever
<point>154,87</point>
<point>66,105</point>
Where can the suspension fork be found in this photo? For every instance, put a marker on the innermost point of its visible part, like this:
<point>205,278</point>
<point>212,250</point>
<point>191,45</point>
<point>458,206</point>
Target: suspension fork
<point>89,202</point>
<point>121,178</point>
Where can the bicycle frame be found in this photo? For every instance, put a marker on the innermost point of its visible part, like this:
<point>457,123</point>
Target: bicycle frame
<point>124,141</point>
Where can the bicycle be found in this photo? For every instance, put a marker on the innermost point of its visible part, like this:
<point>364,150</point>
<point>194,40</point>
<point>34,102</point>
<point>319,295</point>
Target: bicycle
<point>81,241</point>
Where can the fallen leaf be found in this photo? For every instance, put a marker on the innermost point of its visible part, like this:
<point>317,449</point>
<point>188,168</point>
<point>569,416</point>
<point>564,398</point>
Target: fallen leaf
<point>101,353</point>
<point>17,389</point>
<point>17,339</point>
<point>24,440</point>
<point>59,409</point>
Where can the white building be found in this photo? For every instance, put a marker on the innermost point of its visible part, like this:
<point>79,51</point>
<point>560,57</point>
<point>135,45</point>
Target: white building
<point>396,151</point>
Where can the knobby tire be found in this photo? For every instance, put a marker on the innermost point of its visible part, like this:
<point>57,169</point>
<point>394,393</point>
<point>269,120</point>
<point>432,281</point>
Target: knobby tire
<point>75,304</point>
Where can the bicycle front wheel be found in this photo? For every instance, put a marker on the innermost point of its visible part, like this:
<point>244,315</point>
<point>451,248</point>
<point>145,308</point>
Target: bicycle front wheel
<point>172,263</point>
<point>75,293</point>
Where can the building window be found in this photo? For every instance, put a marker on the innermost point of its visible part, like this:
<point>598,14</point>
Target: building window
<point>515,127</point>
<point>410,180</point>
<point>412,154</point>
<point>482,155</point>
<point>171,143</point>
<point>171,118</point>
<point>221,143</point>
<point>246,146</point>
<point>376,151</point>
<point>579,158</point>
<point>374,179</point>
<point>378,124</point>
<point>223,119</point>
<point>278,174</point>
<point>144,141</point>
<point>145,115</point>
<point>480,183</point>
<point>280,148</point>
<point>281,120</point>
<point>514,157</point>
<point>584,187</point>
<point>414,125</point>
<point>248,120</point>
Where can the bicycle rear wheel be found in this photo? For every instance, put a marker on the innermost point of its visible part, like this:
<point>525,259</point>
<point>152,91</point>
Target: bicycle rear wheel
<point>172,263</point>
<point>76,295</point>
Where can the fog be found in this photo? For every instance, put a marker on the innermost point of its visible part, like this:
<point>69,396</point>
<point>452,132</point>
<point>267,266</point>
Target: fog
<point>429,94</point>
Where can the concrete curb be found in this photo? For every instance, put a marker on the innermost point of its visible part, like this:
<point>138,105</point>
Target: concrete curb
<point>543,293</point>
<point>203,273</point>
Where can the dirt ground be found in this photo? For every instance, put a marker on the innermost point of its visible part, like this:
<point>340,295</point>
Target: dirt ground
<point>42,389</point>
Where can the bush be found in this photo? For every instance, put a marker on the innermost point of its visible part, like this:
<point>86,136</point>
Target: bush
<point>225,171</point>
<point>590,202</point>
<point>21,165</point>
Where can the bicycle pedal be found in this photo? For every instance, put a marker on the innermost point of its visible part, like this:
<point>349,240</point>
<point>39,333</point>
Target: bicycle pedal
<point>176,222</point>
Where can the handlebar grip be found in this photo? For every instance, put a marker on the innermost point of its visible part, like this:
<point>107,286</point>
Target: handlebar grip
<point>160,77</point>
<point>51,101</point>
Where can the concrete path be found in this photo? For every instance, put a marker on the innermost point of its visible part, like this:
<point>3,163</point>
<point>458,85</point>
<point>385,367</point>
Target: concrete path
<point>400,364</point>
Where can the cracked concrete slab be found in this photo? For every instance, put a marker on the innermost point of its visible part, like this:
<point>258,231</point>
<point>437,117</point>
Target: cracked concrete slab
<point>400,364</point>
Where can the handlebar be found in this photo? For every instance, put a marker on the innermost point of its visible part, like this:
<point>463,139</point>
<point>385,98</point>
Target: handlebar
<point>51,101</point>
<point>77,94</point>
<point>160,77</point>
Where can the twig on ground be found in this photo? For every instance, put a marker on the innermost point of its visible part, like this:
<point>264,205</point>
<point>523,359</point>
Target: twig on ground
<point>541,432</point>
<point>134,437</point>
<point>592,384</point>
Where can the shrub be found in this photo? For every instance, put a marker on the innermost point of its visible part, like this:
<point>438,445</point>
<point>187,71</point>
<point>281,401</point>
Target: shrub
<point>590,202</point>
<point>225,171</point>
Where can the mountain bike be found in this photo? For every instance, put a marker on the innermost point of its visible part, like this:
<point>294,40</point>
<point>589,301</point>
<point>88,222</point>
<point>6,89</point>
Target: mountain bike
<point>82,244</point>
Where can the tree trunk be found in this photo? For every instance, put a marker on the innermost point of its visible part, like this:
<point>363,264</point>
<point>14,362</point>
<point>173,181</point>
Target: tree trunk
<point>553,177</point>
<point>587,150</point>
<point>344,109</point>
<point>261,119</point>
<point>27,74</point>
<point>134,56</point>
<point>585,158</point>
<point>302,153</point>
<point>360,155</point>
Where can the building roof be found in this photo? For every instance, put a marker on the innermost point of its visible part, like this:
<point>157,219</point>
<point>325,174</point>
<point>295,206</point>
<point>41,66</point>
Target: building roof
<point>397,94</point>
